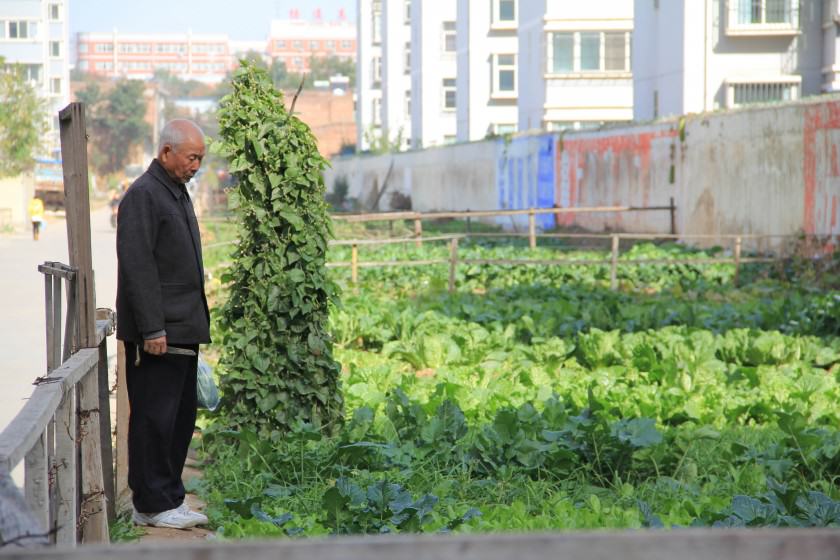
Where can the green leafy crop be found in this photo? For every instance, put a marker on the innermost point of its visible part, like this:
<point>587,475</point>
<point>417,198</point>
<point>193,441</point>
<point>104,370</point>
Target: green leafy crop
<point>277,361</point>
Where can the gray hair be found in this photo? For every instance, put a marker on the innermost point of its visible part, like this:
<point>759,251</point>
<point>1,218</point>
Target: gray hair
<point>175,132</point>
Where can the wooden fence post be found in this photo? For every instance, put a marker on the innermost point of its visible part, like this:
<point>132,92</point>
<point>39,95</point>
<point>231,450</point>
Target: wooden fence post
<point>121,491</point>
<point>453,263</point>
<point>418,232</point>
<point>65,467</point>
<point>77,208</point>
<point>614,263</point>
<point>93,515</point>
<point>673,210</point>
<point>532,230</point>
<point>354,263</point>
<point>105,430</point>
<point>737,255</point>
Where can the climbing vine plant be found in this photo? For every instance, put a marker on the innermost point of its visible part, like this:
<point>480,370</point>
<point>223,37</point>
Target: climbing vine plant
<point>277,361</point>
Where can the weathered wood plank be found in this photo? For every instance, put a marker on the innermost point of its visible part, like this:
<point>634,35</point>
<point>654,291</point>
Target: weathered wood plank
<point>93,514</point>
<point>36,482</point>
<point>105,438</point>
<point>77,208</point>
<point>684,544</point>
<point>123,494</point>
<point>65,476</point>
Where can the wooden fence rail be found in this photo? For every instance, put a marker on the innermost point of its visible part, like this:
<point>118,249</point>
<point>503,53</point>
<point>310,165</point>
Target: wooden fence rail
<point>613,262</point>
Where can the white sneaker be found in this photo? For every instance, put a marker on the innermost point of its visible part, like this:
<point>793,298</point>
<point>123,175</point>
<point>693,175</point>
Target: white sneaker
<point>200,517</point>
<point>169,519</point>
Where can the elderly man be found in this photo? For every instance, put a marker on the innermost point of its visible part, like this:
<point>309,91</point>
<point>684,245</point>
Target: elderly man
<point>162,317</point>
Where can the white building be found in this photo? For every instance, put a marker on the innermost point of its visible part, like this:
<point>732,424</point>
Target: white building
<point>574,63</point>
<point>487,92</point>
<point>396,72</point>
<point>692,56</point>
<point>34,34</point>
<point>433,74</point>
<point>368,73</point>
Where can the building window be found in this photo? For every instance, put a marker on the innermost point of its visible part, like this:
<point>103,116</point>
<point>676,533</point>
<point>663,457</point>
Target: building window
<point>589,52</point>
<point>55,85</point>
<point>504,13</point>
<point>377,71</point>
<point>449,94</point>
<point>449,37</point>
<point>297,61</point>
<point>83,48</point>
<point>504,128</point>
<point>55,12</point>
<point>23,30</point>
<point>376,24</point>
<point>407,57</point>
<point>55,49</point>
<point>504,74</point>
<point>331,45</point>
<point>407,11</point>
<point>346,45</point>
<point>280,44</point>
<point>408,102</point>
<point>297,45</point>
<point>762,92</point>
<point>314,45</point>
<point>757,12</point>
<point>104,48</point>
<point>29,72</point>
<point>377,111</point>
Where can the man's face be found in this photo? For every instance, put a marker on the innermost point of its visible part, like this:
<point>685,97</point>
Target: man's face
<point>182,163</point>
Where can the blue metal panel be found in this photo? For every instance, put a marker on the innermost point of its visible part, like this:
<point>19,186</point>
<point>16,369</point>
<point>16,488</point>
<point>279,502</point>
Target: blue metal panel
<point>546,179</point>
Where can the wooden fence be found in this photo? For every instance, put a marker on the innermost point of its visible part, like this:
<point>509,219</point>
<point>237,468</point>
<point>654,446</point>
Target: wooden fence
<point>63,433</point>
<point>613,262</point>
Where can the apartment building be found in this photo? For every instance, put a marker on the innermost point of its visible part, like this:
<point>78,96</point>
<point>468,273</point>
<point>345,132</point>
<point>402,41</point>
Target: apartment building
<point>205,58</point>
<point>692,56</point>
<point>487,67</point>
<point>368,73</point>
<point>574,67</point>
<point>34,35</point>
<point>433,74</point>
<point>396,72</point>
<point>295,41</point>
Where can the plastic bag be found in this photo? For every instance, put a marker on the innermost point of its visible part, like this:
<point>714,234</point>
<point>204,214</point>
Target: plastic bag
<point>208,393</point>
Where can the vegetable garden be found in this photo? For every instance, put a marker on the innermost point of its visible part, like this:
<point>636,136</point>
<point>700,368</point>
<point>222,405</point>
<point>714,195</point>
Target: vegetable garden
<point>533,398</point>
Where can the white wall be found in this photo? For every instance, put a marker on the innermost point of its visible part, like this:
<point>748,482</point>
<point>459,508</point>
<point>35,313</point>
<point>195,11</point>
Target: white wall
<point>479,111</point>
<point>683,52</point>
<point>532,64</point>
<point>431,123</point>
<point>658,59</point>
<point>396,81</point>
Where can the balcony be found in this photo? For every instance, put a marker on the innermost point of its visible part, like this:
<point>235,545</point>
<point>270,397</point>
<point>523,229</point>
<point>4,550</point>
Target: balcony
<point>762,18</point>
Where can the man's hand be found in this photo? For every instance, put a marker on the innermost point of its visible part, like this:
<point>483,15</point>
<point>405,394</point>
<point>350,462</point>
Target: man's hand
<point>155,346</point>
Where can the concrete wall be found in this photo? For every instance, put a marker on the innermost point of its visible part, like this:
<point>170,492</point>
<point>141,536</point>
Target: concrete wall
<point>15,194</point>
<point>768,170</point>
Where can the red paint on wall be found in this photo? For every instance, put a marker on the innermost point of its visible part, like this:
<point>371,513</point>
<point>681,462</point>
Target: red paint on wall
<point>631,147</point>
<point>818,120</point>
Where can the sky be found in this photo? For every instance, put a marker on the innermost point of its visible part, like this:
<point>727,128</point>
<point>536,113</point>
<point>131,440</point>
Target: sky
<point>241,20</point>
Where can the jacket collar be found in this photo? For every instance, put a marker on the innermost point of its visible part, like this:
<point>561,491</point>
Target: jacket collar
<point>158,172</point>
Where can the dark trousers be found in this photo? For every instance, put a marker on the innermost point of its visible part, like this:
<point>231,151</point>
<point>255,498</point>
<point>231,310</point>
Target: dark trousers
<point>162,398</point>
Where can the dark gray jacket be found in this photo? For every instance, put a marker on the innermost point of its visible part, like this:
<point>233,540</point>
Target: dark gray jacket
<point>160,278</point>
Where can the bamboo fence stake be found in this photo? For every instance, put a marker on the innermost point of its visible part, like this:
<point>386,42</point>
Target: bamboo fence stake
<point>614,264</point>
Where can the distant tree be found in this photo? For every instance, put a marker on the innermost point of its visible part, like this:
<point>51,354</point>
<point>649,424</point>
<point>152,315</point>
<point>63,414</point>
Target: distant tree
<point>22,121</point>
<point>323,67</point>
<point>117,122</point>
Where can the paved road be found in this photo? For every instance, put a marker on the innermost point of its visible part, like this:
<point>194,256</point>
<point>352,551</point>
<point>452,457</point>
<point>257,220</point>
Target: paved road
<point>22,327</point>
